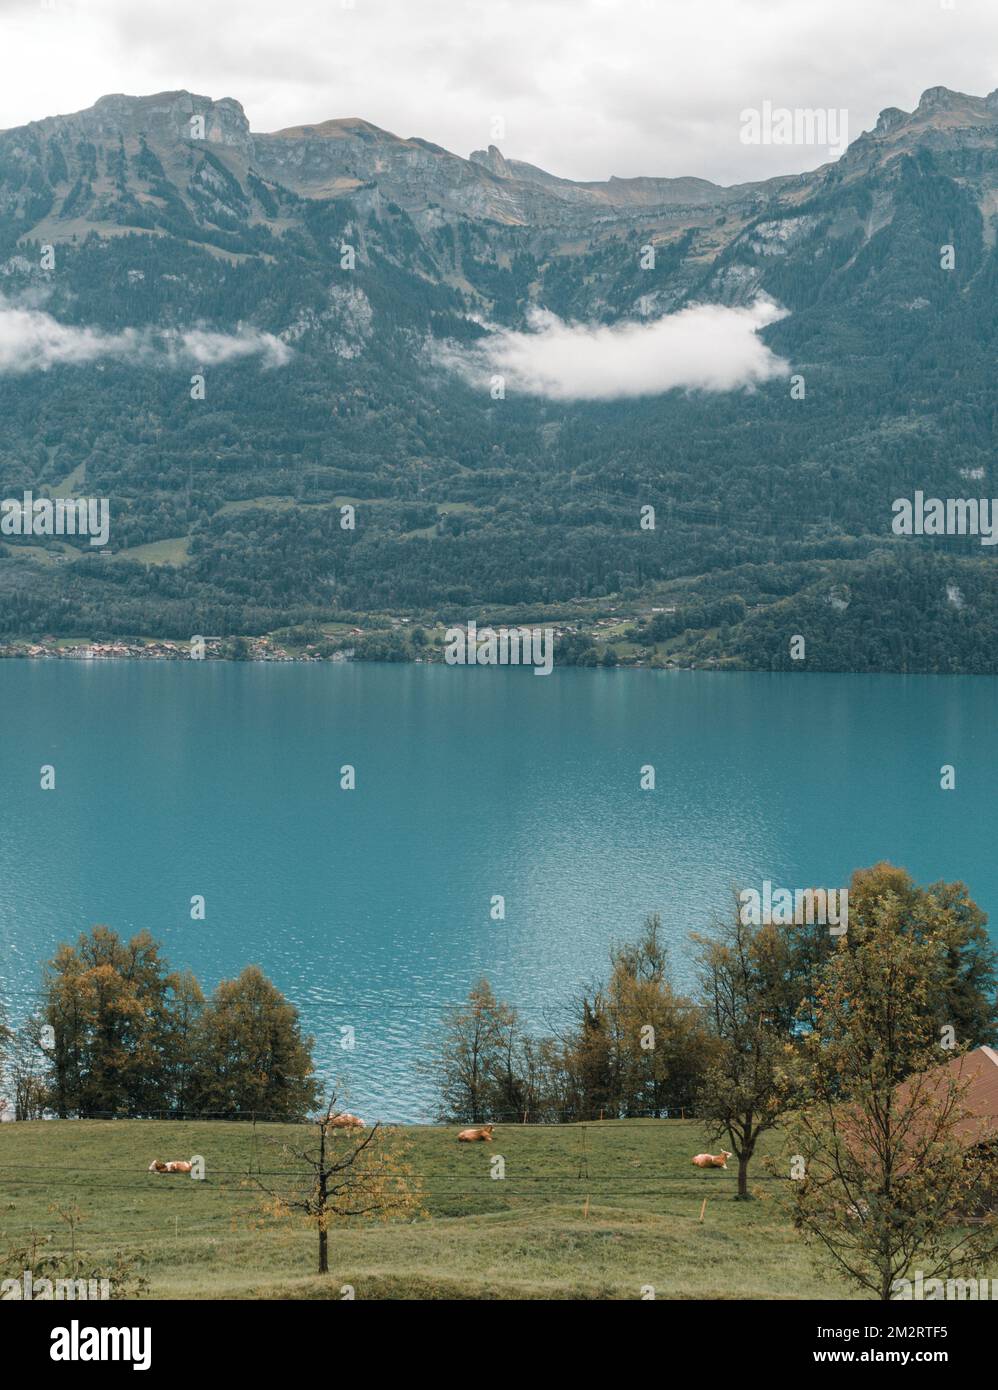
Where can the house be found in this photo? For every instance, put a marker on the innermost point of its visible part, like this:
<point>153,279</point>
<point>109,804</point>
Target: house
<point>929,1096</point>
<point>978,1071</point>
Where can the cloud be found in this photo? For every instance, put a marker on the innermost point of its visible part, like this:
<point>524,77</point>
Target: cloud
<point>33,341</point>
<point>212,348</point>
<point>708,347</point>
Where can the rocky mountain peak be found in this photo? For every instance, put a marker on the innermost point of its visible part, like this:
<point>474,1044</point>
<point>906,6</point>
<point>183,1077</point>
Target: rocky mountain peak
<point>889,119</point>
<point>493,160</point>
<point>162,116</point>
<point>77,161</point>
<point>946,122</point>
<point>940,99</point>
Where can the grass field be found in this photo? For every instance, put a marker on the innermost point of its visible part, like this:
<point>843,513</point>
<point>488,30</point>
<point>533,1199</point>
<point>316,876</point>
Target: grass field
<point>174,551</point>
<point>526,1236</point>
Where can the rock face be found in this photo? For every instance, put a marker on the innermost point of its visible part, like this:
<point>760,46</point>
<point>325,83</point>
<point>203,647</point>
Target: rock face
<point>164,118</point>
<point>889,119</point>
<point>52,174</point>
<point>335,159</point>
<point>188,165</point>
<point>945,122</point>
<point>492,160</point>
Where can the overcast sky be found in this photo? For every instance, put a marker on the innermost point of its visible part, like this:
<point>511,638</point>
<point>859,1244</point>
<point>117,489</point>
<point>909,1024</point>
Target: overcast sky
<point>585,88</point>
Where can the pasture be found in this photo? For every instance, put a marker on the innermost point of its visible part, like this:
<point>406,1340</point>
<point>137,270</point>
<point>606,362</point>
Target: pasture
<point>529,1235</point>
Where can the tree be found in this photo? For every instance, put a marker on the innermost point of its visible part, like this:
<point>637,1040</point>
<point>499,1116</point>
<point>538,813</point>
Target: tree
<point>250,1055</point>
<point>5,1038</point>
<point>743,971</point>
<point>343,1176</point>
<point>546,1087</point>
<point>634,1047</point>
<point>473,1061</point>
<point>639,1046</point>
<point>27,1061</point>
<point>966,996</point>
<point>889,1179</point>
<point>186,1011</point>
<point>107,1003</point>
<point>73,1273</point>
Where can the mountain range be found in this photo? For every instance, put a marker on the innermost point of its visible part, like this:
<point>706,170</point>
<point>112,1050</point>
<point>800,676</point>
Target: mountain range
<point>341,292</point>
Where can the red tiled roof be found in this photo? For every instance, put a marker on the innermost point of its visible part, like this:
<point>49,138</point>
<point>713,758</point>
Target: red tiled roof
<point>977,1071</point>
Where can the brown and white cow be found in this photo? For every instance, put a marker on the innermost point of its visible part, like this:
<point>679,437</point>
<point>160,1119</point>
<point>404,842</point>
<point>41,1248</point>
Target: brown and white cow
<point>346,1121</point>
<point>176,1165</point>
<point>712,1160</point>
<point>471,1136</point>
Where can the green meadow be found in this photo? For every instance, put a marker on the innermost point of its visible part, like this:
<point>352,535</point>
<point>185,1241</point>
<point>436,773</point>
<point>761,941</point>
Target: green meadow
<point>594,1211</point>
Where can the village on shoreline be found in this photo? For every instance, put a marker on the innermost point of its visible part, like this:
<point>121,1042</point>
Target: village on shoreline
<point>154,649</point>
<point>606,641</point>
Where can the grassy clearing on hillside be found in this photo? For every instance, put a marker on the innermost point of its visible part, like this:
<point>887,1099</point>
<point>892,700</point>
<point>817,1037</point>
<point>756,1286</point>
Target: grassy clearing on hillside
<point>524,1236</point>
<point>173,551</point>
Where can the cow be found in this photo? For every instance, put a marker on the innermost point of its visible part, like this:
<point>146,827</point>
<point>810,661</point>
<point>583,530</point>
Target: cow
<point>471,1136</point>
<point>176,1165</point>
<point>712,1160</point>
<point>346,1121</point>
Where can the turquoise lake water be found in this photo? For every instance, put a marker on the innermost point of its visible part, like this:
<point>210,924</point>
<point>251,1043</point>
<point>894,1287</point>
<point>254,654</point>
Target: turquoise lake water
<point>371,908</point>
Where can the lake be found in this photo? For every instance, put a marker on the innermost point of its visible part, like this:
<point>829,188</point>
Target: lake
<point>370,908</point>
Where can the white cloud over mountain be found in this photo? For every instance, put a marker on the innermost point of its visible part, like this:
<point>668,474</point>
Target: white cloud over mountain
<point>32,340</point>
<point>707,347</point>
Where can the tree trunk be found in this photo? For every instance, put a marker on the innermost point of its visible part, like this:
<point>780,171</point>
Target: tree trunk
<point>323,1231</point>
<point>743,1163</point>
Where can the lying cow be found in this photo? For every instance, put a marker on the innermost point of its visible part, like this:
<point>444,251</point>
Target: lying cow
<point>470,1136</point>
<point>177,1165</point>
<point>347,1121</point>
<point>712,1160</point>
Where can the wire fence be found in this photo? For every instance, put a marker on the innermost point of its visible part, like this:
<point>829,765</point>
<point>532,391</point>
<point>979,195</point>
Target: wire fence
<point>527,1117</point>
<point>576,1172</point>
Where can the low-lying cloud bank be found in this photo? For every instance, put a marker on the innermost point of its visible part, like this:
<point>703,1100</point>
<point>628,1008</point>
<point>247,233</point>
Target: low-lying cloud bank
<point>708,347</point>
<point>33,341</point>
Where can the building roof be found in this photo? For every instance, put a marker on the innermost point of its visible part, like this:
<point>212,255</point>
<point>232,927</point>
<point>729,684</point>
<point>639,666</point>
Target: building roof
<point>977,1072</point>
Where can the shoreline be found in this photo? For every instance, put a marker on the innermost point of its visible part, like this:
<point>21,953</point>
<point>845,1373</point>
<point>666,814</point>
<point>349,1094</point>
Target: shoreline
<point>154,651</point>
<point>276,656</point>
<point>353,648</point>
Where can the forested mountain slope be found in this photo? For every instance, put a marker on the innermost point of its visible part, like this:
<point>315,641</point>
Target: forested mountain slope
<point>345,271</point>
